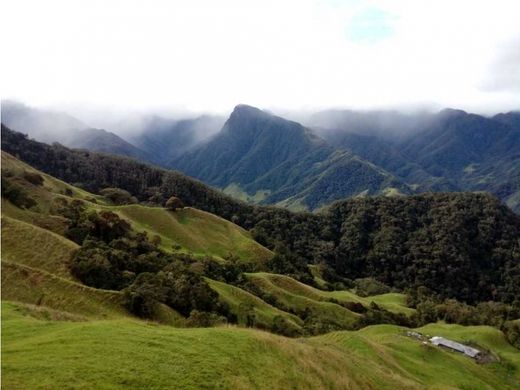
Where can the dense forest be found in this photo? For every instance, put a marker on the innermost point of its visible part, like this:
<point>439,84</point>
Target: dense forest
<point>459,245</point>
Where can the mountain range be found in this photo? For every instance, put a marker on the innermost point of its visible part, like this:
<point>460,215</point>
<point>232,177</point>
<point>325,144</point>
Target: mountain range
<point>263,158</point>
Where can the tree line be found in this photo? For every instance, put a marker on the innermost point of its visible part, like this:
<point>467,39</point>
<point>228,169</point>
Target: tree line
<point>462,246</point>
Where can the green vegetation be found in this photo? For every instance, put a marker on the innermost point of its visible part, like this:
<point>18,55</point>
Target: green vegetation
<point>46,353</point>
<point>393,302</point>
<point>194,231</point>
<point>47,251</point>
<point>251,310</point>
<point>25,284</point>
<point>62,333</point>
<point>404,242</point>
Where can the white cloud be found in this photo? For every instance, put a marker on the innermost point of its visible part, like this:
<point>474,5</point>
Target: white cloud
<point>209,55</point>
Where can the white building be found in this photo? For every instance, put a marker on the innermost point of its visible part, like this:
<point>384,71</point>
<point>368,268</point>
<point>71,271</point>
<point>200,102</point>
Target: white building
<point>441,341</point>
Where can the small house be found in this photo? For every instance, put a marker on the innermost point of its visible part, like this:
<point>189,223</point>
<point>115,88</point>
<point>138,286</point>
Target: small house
<point>468,351</point>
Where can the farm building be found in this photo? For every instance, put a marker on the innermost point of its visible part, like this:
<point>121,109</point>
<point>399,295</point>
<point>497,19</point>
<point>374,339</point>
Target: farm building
<point>441,341</point>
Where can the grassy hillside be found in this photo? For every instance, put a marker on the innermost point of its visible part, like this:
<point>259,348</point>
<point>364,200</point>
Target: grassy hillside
<point>36,247</point>
<point>195,231</point>
<point>285,286</point>
<point>241,302</point>
<point>40,353</point>
<point>293,295</point>
<point>59,333</point>
<point>30,285</point>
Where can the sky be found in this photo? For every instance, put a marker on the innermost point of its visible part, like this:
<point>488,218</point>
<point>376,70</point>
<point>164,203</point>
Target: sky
<point>204,55</point>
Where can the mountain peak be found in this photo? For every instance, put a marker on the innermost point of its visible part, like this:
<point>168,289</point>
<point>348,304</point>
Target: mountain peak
<point>452,112</point>
<point>246,110</point>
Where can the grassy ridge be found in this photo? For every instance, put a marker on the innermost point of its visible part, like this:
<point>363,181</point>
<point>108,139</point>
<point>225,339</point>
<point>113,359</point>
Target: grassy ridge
<point>36,247</point>
<point>122,353</point>
<point>240,300</point>
<point>26,284</point>
<point>195,231</point>
<point>276,285</point>
<point>287,287</point>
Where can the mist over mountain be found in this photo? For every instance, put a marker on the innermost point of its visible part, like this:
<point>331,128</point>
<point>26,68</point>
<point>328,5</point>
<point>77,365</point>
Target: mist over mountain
<point>166,139</point>
<point>273,160</point>
<point>263,158</point>
<point>445,151</point>
<point>43,125</point>
<point>53,126</point>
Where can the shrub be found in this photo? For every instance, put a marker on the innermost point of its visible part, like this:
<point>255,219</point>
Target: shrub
<point>144,295</point>
<point>174,203</point>
<point>366,287</point>
<point>201,319</point>
<point>118,196</point>
<point>91,265</point>
<point>16,195</point>
<point>33,178</point>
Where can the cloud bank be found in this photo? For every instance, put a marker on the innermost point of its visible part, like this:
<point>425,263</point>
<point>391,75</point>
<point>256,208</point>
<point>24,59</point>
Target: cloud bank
<point>208,56</point>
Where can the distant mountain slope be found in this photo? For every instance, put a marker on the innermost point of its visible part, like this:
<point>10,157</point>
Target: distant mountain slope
<point>457,139</point>
<point>260,152</point>
<point>51,126</point>
<point>511,118</point>
<point>387,155</point>
<point>42,125</point>
<point>166,139</point>
<point>251,143</point>
<point>104,141</point>
<point>448,151</point>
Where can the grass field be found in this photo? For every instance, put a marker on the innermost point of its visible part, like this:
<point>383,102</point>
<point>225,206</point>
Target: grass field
<point>288,288</point>
<point>240,300</point>
<point>36,247</point>
<point>122,353</point>
<point>196,231</point>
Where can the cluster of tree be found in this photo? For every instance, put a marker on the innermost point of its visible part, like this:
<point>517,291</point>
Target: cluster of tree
<point>118,196</point>
<point>16,194</point>
<point>458,245</point>
<point>113,256</point>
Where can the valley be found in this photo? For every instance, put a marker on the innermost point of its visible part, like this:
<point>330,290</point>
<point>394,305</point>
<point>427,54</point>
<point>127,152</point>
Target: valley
<point>59,332</point>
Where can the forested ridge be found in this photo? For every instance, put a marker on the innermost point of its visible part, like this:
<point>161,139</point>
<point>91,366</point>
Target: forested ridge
<point>457,245</point>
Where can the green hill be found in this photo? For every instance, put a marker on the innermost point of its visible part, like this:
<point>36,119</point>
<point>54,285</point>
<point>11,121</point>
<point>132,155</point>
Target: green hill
<point>286,286</point>
<point>195,231</point>
<point>242,303</point>
<point>122,353</point>
<point>59,333</point>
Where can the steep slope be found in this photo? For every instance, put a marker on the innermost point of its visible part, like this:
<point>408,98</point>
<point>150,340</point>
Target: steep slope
<point>251,143</point>
<point>448,151</point>
<point>387,155</point>
<point>52,126</point>
<point>281,161</point>
<point>166,139</point>
<point>195,231</point>
<point>104,141</point>
<point>474,152</point>
<point>189,230</point>
<point>456,139</point>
